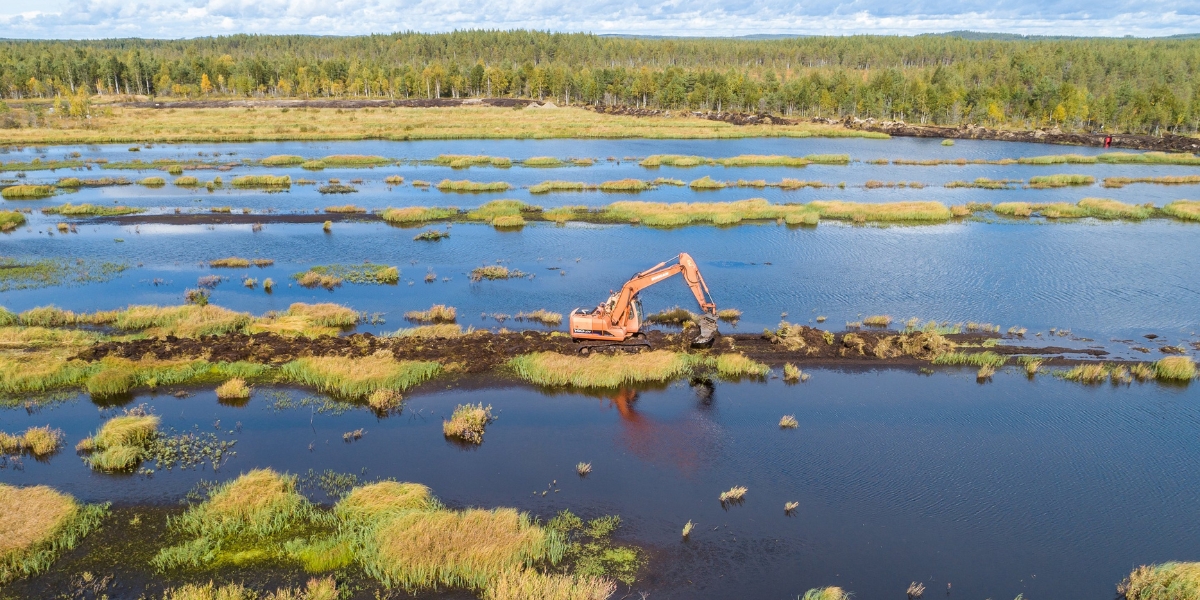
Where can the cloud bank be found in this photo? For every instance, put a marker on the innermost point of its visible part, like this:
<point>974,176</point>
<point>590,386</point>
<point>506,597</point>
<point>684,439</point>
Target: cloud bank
<point>195,18</point>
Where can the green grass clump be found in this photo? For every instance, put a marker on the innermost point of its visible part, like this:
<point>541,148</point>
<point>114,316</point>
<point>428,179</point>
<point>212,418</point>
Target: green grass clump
<point>736,365</point>
<point>464,185</point>
<point>1120,182</point>
<point>828,159</point>
<point>282,160</point>
<point>121,443</point>
<point>1057,181</point>
<point>673,160</point>
<point>760,160</point>
<point>417,214</point>
<point>37,441</point>
<point>1013,209</point>
<point>706,183</point>
<point>508,222</point>
<point>493,272</point>
<point>438,313</point>
<point>602,371</point>
<point>69,182</point>
<point>1104,208</point>
<point>500,208</point>
<point>90,210</point>
<point>153,182</point>
<point>1057,159</point>
<point>624,185</point>
<point>354,160</point>
<point>262,181</point>
<point>546,187</point>
<point>10,220</point>
<point>887,212</point>
<point>1175,368</point>
<point>462,161</point>
<point>983,183</point>
<point>1184,210</point>
<point>468,422</point>
<point>976,359</point>
<point>27,192</point>
<point>39,523</point>
<point>658,214</point>
<point>358,377</point>
<point>361,274</point>
<point>826,593</point>
<point>313,165</point>
<point>543,161</point>
<point>431,235</point>
<point>1149,158</point>
<point>1167,581</point>
<point>187,181</point>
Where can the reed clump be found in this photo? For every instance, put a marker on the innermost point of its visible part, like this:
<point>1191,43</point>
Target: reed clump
<point>788,422</point>
<point>232,262</point>
<point>546,187</point>
<point>438,313</point>
<point>1166,581</point>
<point>39,523</point>
<point>282,160</point>
<point>262,181</point>
<point>729,315</point>
<point>737,365</point>
<point>27,192</point>
<point>735,495</point>
<point>542,316</point>
<point>1175,368</point>
<point>234,389</point>
<point>493,272</point>
<point>600,371</point>
<point>1184,210</point>
<point>464,185</point>
<point>826,593</point>
<point>431,235</point>
<point>761,160</point>
<point>354,160</point>
<point>153,182</point>
<point>889,212</point>
<point>121,443</point>
<point>90,210</point>
<point>1058,181</point>
<point>10,220</point>
<point>358,377</point>
<point>975,359</point>
<point>187,181</point>
<point>877,320</point>
<point>706,183</point>
<point>349,209</point>
<point>418,214</point>
<point>673,160</point>
<point>1120,182</point>
<point>625,185</point>
<point>462,161</point>
<point>468,422</point>
<point>1057,159</point>
<point>542,161</point>
<point>508,222</point>
<point>37,441</point>
<point>393,180</point>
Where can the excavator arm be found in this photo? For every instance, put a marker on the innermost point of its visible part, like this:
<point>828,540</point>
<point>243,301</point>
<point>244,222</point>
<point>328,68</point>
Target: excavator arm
<point>682,264</point>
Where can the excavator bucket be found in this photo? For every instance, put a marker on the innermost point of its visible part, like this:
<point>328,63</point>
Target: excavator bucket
<point>708,332</point>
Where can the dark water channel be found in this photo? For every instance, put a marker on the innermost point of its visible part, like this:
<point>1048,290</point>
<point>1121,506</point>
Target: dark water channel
<point>1041,487</point>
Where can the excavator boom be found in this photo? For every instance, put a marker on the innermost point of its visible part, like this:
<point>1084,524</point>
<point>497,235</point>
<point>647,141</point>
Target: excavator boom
<point>620,317</point>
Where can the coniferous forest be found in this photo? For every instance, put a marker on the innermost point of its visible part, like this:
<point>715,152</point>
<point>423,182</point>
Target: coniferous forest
<point>1115,84</point>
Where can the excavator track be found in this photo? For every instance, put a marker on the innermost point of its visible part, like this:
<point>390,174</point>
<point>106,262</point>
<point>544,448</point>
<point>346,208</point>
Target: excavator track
<point>630,345</point>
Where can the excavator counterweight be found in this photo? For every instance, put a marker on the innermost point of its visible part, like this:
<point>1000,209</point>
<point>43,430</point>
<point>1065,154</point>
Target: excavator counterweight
<point>620,317</point>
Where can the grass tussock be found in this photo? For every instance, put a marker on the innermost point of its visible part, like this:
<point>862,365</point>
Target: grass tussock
<point>826,593</point>
<point>354,160</point>
<point>27,192</point>
<point>602,371</point>
<point>90,210</point>
<point>1175,368</point>
<point>232,262</point>
<point>463,161</point>
<point>152,182</point>
<point>493,272</point>
<point>282,160</point>
<point>438,313</point>
<point>883,213</point>
<point>706,183</point>
<point>121,443</point>
<point>1120,182</point>
<point>37,441</point>
<point>736,366</point>
<point>1166,581</point>
<point>527,584</point>
<point>1058,181</point>
<point>975,359</point>
<point>734,495</point>
<point>788,422</point>
<point>468,423</point>
<point>762,160</point>
<point>1184,210</point>
<point>358,377</point>
<point>625,186</point>
<point>1058,159</point>
<point>186,181</point>
<point>417,214</point>
<point>467,186</point>
<point>659,214</point>
<point>543,161</point>
<point>877,321</point>
<point>495,209</point>
<point>234,389</point>
<point>331,276</point>
<point>673,160</point>
<point>345,209</point>
<point>542,316</point>
<point>508,221</point>
<point>324,588</point>
<point>546,187</point>
<point>262,181</point>
<point>10,220</point>
<point>39,523</point>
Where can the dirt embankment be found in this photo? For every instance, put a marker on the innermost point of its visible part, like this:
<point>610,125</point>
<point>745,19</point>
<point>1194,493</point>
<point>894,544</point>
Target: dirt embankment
<point>482,351</point>
<point>1165,143</point>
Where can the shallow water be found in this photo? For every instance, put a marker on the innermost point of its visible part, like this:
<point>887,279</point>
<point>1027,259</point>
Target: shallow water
<point>1042,487</point>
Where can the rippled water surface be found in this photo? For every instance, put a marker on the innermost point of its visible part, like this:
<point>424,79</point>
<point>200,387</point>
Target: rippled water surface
<point>1037,487</point>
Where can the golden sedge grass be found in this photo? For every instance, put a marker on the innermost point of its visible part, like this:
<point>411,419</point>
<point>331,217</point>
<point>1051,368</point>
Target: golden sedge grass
<point>27,192</point>
<point>358,377</point>
<point>706,183</point>
<point>324,588</point>
<point>890,212</point>
<point>438,313</point>
<point>542,316</point>
<point>1184,210</point>
<point>735,494</point>
<point>90,210</point>
<point>468,422</point>
<point>37,441</point>
<point>601,371</point>
<point>1175,368</point>
<point>1166,581</point>
<point>546,187</point>
<point>1057,181</point>
<point>121,443</point>
<point>826,593</point>
<point>38,523</point>
<point>525,584</point>
<point>1120,182</point>
<point>281,160</point>
<point>234,389</point>
<point>443,331</point>
<point>262,181</point>
<point>10,220</point>
<point>417,214</point>
<point>737,365</point>
<point>464,185</point>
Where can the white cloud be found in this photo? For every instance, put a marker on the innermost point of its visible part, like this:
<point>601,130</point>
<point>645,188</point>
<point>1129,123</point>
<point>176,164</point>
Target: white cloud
<point>194,18</point>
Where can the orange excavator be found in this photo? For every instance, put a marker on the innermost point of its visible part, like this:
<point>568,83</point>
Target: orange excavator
<point>619,320</point>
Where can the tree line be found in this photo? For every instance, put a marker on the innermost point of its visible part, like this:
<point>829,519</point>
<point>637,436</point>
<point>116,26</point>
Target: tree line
<point>1114,84</point>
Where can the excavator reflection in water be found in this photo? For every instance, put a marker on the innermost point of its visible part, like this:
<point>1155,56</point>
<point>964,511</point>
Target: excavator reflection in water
<point>620,318</point>
<point>687,444</point>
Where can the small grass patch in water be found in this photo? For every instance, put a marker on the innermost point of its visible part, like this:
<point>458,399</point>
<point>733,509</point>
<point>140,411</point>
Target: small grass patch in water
<point>976,359</point>
<point>1184,210</point>
<point>546,187</point>
<point>788,422</point>
<point>493,272</point>
<point>706,183</point>
<point>431,235</point>
<point>508,222</point>
<point>232,262</point>
<point>877,321</point>
<point>735,366</point>
<point>123,441</point>
<point>37,441</point>
<point>467,186</point>
<point>38,524</point>
<point>262,181</point>
<point>320,275</point>
<point>354,160</point>
<point>438,313</point>
<point>673,160</point>
<point>358,377</point>
<point>1149,158</point>
<point>762,160</point>
<point>984,183</point>
<point>348,209</point>
<point>542,316</point>
<point>735,495</point>
<point>543,161</point>
<point>1058,181</point>
<point>281,160</point>
<point>625,186</point>
<point>27,192</point>
<point>1166,581</point>
<point>826,593</point>
<point>186,181</point>
<point>1120,182</point>
<point>10,220</point>
<point>463,161</point>
<point>153,182</point>
<point>602,371</point>
<point>882,213</point>
<point>234,389</point>
<point>590,552</point>
<point>90,210</point>
<point>1057,159</point>
<point>1175,368</point>
<point>468,422</point>
<point>418,214</point>
<point>1104,208</point>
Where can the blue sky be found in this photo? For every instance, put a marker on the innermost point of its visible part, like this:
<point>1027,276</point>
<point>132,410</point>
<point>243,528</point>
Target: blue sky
<point>193,18</point>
